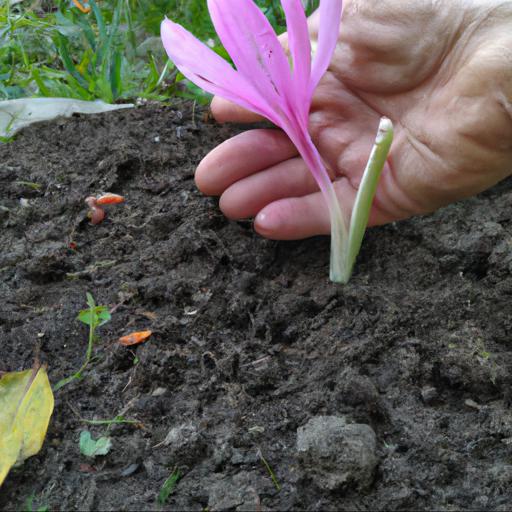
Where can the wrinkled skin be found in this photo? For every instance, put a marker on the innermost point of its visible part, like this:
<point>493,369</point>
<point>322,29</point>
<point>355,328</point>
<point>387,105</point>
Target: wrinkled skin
<point>442,71</point>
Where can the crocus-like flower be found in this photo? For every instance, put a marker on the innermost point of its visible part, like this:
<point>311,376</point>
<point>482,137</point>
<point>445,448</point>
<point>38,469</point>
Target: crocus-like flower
<point>266,83</point>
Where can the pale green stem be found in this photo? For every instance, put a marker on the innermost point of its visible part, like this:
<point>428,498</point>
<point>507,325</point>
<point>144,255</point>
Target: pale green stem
<point>346,241</point>
<point>366,193</point>
<point>339,228</point>
<point>339,240</point>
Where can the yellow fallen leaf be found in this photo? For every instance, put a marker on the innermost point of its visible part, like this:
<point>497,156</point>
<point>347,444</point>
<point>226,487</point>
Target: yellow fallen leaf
<point>26,405</point>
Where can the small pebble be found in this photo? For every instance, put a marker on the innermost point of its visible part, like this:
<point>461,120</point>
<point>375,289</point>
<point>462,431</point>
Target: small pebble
<point>159,392</point>
<point>130,470</point>
<point>429,394</point>
<point>472,404</point>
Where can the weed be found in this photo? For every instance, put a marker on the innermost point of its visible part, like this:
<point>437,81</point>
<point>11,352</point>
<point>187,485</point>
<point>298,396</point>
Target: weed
<point>29,505</point>
<point>93,447</point>
<point>94,316</point>
<point>169,486</point>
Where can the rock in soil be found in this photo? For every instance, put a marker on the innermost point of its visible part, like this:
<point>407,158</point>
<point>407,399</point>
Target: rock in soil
<point>335,454</point>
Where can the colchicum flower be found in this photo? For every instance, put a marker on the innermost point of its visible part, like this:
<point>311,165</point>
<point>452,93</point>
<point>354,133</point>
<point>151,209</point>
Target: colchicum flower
<point>264,82</point>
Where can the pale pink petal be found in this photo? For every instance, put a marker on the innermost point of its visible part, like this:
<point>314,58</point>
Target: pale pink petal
<point>298,41</point>
<point>206,69</point>
<point>253,46</point>
<point>329,27</point>
<point>300,51</point>
<point>309,153</point>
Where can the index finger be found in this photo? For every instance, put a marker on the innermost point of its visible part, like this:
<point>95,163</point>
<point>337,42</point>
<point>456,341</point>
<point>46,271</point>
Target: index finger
<point>225,111</point>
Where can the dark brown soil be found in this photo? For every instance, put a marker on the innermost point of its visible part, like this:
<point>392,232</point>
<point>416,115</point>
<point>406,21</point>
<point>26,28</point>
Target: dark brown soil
<point>250,340</point>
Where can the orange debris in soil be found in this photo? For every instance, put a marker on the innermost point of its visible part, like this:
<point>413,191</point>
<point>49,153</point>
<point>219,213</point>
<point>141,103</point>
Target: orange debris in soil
<point>134,338</point>
<point>109,199</point>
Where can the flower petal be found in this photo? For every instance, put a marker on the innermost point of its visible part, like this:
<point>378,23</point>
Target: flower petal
<point>330,18</point>
<point>252,43</point>
<point>300,46</point>
<point>206,69</point>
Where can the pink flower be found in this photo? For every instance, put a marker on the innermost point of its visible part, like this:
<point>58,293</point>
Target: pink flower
<point>265,83</point>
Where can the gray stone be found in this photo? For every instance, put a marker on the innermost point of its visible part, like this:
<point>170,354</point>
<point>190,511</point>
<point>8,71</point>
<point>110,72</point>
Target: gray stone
<point>181,435</point>
<point>239,457</point>
<point>335,454</point>
<point>186,444</point>
<point>429,394</point>
<point>238,492</point>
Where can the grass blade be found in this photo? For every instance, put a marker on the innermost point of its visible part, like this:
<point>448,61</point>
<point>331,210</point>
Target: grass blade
<point>42,86</point>
<point>169,486</point>
<point>116,83</point>
<point>62,44</point>
<point>107,41</point>
<point>100,21</point>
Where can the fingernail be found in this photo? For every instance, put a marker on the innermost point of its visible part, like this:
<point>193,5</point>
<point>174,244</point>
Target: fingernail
<point>266,222</point>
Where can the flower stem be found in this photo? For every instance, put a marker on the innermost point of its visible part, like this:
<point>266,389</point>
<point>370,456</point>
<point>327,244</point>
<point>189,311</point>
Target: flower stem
<point>346,241</point>
<point>88,356</point>
<point>366,192</point>
<point>339,226</point>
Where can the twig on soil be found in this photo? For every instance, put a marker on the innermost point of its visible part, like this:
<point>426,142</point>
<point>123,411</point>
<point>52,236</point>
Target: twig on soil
<point>119,419</point>
<point>276,483</point>
<point>257,362</point>
<point>129,382</point>
<point>194,125</point>
<point>91,269</point>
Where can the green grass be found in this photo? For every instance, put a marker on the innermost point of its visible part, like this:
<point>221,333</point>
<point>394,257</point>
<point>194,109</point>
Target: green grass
<point>113,53</point>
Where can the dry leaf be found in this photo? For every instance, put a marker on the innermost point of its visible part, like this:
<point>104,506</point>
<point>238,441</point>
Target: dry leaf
<point>26,405</point>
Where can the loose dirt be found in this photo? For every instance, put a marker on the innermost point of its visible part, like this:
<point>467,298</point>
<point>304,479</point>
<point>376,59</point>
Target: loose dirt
<point>250,341</point>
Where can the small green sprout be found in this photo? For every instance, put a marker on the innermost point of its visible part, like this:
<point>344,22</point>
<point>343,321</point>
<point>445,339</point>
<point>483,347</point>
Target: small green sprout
<point>93,447</point>
<point>29,505</point>
<point>169,486</point>
<point>94,316</point>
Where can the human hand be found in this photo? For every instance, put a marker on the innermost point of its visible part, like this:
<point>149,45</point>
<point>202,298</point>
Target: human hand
<point>441,71</point>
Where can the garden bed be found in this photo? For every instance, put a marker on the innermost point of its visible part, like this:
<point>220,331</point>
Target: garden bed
<point>250,341</point>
